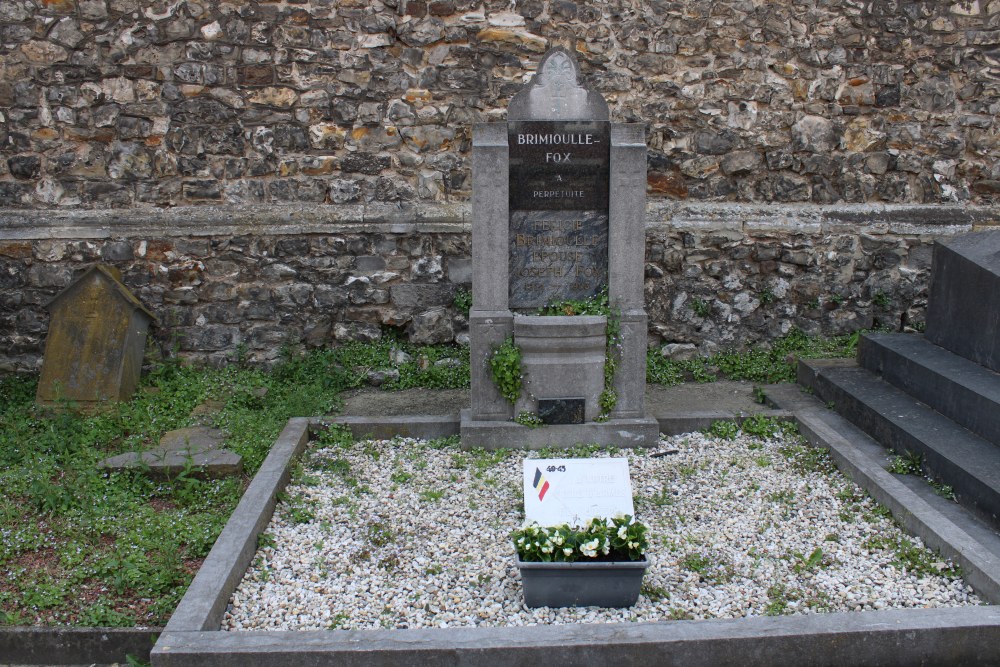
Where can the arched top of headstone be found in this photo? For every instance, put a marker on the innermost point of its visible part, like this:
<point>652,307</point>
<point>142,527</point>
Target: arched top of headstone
<point>557,92</point>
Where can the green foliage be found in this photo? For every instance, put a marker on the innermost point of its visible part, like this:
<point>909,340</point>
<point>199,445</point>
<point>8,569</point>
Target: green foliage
<point>910,463</point>
<point>811,562</point>
<point>594,305</point>
<point>134,538</point>
<point>654,593</point>
<point>529,419</point>
<point>711,567</point>
<point>701,307</point>
<point>910,556</point>
<point>614,539</point>
<point>764,365</point>
<point>762,426</point>
<point>726,430</point>
<point>505,365</point>
<point>462,301</point>
<point>881,299</point>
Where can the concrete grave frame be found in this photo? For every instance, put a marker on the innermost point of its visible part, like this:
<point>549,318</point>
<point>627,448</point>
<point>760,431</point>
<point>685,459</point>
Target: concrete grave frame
<point>487,423</point>
<point>966,635</point>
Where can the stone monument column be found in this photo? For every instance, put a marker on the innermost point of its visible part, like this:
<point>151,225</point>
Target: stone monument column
<point>490,320</point>
<point>627,261</point>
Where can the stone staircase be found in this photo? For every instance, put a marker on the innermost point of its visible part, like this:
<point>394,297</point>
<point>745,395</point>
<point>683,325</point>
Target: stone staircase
<point>936,396</point>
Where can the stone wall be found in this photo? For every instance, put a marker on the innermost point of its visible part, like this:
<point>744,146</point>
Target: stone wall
<point>152,103</point>
<point>298,172</point>
<point>717,275</point>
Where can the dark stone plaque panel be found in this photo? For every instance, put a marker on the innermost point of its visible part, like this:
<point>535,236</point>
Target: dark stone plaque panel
<point>561,410</point>
<point>557,255</point>
<point>558,210</point>
<point>559,165</point>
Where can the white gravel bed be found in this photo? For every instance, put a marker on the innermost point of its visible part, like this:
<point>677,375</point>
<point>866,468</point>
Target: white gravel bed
<point>406,534</point>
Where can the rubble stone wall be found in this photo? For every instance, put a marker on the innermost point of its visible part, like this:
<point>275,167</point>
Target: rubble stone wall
<point>270,172</point>
<point>717,275</point>
<point>151,103</point>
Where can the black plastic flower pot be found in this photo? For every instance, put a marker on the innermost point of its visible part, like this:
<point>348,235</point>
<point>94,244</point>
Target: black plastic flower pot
<point>582,584</point>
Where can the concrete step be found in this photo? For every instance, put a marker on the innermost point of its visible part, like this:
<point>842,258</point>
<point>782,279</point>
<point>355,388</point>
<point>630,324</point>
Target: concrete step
<point>951,454</point>
<point>962,390</point>
<point>963,309</point>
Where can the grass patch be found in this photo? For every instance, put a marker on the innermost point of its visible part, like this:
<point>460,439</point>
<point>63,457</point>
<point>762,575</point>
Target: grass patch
<point>83,547</point>
<point>764,365</point>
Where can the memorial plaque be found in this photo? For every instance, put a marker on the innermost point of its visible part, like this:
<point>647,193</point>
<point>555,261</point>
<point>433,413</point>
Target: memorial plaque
<point>573,491</point>
<point>561,410</point>
<point>558,210</point>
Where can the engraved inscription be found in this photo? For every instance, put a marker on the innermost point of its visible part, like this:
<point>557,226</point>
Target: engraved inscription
<point>558,210</point>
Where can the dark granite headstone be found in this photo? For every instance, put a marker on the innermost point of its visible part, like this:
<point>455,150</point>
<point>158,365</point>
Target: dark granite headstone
<point>963,309</point>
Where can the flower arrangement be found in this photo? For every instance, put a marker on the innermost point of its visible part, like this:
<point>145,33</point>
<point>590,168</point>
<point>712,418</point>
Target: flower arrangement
<point>616,539</point>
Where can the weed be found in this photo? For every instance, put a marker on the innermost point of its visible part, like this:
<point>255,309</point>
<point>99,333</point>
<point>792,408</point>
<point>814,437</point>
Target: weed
<point>701,308</point>
<point>529,419</point>
<point>505,364</point>
<point>910,556</point>
<point>431,495</point>
<point>780,597</point>
<point>726,430</point>
<point>678,614</point>
<point>811,562</point>
<point>881,299</point>
<point>379,534</point>
<point>762,426</point>
<point>909,463</point>
<point>943,490</point>
<point>710,567</point>
<point>654,593</point>
<point>784,497</point>
<point>462,301</point>
<point>765,365</point>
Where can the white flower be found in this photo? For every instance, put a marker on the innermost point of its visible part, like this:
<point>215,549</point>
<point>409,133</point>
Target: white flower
<point>589,549</point>
<point>622,532</point>
<point>558,540</point>
<point>568,551</point>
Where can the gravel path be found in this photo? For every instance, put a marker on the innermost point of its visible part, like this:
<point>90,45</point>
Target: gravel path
<point>405,534</point>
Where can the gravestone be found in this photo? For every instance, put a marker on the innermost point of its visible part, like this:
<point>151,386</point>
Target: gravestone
<point>559,200</point>
<point>95,344</point>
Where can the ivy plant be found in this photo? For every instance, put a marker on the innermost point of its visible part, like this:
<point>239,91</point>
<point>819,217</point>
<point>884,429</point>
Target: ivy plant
<point>505,364</point>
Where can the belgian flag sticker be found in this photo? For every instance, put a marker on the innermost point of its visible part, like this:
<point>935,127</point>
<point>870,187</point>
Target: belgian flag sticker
<point>541,484</point>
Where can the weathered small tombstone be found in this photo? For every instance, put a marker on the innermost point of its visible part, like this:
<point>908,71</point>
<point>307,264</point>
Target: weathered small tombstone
<point>95,343</point>
<point>574,491</point>
<point>559,199</point>
<point>195,450</point>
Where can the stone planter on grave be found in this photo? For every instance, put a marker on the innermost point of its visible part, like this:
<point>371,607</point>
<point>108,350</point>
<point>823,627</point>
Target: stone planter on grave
<point>558,214</point>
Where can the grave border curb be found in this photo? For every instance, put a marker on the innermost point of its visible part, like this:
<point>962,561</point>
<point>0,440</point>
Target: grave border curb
<point>889,637</point>
<point>68,645</point>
